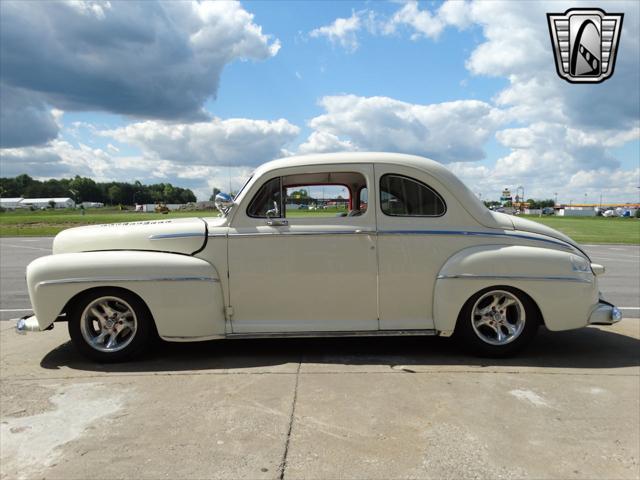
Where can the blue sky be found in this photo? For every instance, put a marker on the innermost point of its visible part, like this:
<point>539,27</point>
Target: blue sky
<point>198,94</point>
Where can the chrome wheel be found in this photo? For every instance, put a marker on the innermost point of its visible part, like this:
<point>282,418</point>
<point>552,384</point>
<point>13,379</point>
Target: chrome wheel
<point>498,317</point>
<point>108,324</point>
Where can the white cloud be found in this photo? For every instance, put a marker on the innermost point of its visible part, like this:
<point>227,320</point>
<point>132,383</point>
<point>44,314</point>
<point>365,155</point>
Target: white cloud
<point>448,132</point>
<point>342,31</point>
<point>236,141</point>
<point>424,23</point>
<point>324,142</point>
<point>149,59</point>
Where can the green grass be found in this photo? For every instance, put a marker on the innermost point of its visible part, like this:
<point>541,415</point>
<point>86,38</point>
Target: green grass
<point>20,223</point>
<point>50,222</point>
<point>595,229</point>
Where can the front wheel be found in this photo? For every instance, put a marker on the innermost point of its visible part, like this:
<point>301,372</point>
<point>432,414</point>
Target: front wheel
<point>110,325</point>
<point>498,322</point>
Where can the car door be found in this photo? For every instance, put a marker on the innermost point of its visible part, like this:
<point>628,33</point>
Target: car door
<point>412,211</point>
<point>297,263</point>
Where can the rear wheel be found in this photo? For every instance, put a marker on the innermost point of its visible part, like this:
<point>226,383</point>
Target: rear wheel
<point>110,325</point>
<point>498,322</point>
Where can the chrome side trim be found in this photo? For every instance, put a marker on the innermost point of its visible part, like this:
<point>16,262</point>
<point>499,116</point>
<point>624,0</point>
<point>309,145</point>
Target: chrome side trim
<point>192,339</point>
<point>168,236</point>
<point>127,279</point>
<point>514,277</point>
<point>330,232</point>
<point>474,234</point>
<point>355,333</point>
<point>559,243</point>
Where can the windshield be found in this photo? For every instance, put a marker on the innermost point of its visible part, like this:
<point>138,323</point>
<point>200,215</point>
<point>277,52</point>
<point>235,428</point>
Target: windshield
<point>243,187</point>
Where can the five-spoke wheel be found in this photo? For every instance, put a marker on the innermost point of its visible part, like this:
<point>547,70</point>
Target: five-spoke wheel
<point>498,321</point>
<point>110,324</point>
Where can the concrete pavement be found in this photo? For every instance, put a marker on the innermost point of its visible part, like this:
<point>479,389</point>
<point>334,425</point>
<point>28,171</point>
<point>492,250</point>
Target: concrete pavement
<point>329,408</point>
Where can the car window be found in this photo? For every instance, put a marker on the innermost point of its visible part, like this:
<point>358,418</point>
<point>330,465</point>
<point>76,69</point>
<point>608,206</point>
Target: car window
<point>327,194</point>
<point>311,195</point>
<point>317,201</point>
<point>267,202</point>
<point>405,197</point>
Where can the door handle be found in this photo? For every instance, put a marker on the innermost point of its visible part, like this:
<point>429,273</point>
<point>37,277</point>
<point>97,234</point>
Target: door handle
<point>277,223</point>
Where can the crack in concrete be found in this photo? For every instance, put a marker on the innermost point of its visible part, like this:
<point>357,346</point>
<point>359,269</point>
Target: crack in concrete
<point>283,464</point>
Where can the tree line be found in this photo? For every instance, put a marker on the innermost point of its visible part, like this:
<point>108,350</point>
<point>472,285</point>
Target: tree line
<point>82,189</point>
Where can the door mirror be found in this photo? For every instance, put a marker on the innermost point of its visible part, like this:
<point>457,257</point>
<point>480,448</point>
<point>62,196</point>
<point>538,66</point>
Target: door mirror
<point>223,202</point>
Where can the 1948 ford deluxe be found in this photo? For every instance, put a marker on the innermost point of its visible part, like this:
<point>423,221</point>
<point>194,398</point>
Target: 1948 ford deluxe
<point>414,252</point>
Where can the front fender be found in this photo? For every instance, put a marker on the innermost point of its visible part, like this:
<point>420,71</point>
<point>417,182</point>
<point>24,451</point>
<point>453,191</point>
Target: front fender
<point>183,293</point>
<point>559,282</point>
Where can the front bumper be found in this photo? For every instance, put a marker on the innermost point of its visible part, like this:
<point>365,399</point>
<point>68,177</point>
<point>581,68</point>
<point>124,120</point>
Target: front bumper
<point>605,314</point>
<point>26,324</point>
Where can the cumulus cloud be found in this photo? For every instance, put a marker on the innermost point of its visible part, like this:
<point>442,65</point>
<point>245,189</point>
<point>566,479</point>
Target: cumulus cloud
<point>448,132</point>
<point>342,31</point>
<point>235,141</point>
<point>424,23</point>
<point>145,59</point>
<point>25,119</point>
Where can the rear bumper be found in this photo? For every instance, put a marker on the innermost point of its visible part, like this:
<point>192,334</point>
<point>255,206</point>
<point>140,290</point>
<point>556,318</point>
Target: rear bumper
<point>26,324</point>
<point>605,314</point>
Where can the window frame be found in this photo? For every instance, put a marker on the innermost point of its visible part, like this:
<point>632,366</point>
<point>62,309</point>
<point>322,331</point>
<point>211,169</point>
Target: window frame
<point>422,184</point>
<point>281,211</point>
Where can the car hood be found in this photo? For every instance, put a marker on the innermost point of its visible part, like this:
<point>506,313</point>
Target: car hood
<point>180,235</point>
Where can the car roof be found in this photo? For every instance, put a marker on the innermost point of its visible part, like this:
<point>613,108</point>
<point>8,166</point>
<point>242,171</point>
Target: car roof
<point>355,157</point>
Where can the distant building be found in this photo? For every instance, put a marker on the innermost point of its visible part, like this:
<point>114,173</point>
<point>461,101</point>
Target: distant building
<point>46,202</point>
<point>10,203</point>
<point>92,204</point>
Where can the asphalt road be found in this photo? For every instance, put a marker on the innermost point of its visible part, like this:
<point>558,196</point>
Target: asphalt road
<point>620,284</point>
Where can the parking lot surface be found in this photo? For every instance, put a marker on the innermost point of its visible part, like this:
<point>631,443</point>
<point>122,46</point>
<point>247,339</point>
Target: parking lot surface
<point>568,407</point>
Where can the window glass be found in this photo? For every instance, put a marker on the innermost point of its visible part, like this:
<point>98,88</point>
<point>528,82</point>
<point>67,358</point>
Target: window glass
<point>363,199</point>
<point>405,197</point>
<point>267,202</point>
<point>327,194</point>
<point>317,201</point>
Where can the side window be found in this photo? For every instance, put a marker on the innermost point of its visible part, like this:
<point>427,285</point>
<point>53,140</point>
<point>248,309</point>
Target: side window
<point>267,202</point>
<point>363,199</point>
<point>406,197</point>
<point>317,201</point>
<point>330,194</point>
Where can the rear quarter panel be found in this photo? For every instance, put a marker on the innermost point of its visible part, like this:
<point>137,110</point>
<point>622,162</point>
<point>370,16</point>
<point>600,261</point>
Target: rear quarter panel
<point>565,297</point>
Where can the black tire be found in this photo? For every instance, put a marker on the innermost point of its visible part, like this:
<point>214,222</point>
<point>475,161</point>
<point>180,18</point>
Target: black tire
<point>476,338</point>
<point>133,341</point>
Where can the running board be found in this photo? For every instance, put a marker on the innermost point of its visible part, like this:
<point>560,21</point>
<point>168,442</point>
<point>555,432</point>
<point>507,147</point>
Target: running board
<point>357,333</point>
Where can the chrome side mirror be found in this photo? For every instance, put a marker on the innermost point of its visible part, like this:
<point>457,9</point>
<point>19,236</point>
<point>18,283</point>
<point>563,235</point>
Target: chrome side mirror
<point>223,202</point>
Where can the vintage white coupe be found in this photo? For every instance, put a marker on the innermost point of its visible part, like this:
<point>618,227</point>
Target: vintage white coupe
<point>413,253</point>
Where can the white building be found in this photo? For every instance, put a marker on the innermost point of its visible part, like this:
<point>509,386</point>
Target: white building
<point>10,203</point>
<point>45,202</point>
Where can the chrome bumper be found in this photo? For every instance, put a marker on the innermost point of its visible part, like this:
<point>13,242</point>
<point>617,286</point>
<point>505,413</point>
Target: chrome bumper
<point>605,314</point>
<point>27,324</point>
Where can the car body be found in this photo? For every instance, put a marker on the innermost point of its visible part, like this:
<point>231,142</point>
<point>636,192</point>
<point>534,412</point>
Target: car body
<point>424,257</point>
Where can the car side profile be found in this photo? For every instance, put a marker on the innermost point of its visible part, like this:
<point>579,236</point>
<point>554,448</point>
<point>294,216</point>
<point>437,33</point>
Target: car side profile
<point>405,249</point>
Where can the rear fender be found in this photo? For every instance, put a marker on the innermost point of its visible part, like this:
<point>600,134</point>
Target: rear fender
<point>559,282</point>
<point>183,293</point>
